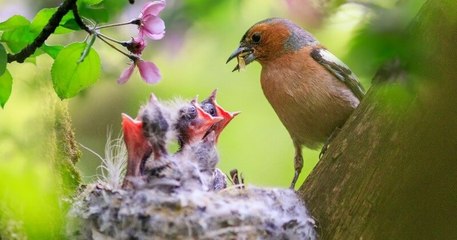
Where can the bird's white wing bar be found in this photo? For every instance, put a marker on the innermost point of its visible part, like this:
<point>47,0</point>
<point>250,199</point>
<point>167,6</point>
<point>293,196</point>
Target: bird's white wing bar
<point>339,70</point>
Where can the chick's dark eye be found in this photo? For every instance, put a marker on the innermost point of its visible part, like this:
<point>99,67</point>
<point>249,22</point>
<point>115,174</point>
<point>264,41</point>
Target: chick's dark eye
<point>209,108</point>
<point>192,112</point>
<point>188,113</point>
<point>255,37</point>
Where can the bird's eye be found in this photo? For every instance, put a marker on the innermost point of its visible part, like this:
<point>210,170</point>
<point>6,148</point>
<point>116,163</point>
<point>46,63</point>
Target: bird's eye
<point>209,108</point>
<point>192,113</point>
<point>255,37</point>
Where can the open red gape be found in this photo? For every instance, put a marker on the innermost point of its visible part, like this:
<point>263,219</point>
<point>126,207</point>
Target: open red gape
<point>136,143</point>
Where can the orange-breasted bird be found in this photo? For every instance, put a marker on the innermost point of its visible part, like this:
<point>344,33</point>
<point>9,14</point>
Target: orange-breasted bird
<point>310,89</point>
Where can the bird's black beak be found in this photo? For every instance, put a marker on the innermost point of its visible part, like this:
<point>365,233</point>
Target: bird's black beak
<point>244,54</point>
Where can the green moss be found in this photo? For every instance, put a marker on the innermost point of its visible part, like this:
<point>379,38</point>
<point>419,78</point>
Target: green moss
<point>67,151</point>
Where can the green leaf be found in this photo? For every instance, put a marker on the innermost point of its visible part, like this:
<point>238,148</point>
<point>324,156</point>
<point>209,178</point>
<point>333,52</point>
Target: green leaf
<point>51,50</point>
<point>70,77</point>
<point>6,84</point>
<point>3,59</point>
<point>67,24</point>
<point>101,12</point>
<point>92,2</point>
<point>42,18</point>
<point>70,24</point>
<point>18,38</point>
<point>14,22</point>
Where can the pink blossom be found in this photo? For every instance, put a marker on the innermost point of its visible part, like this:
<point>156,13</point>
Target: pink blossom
<point>125,75</point>
<point>148,71</point>
<point>136,45</point>
<point>151,25</point>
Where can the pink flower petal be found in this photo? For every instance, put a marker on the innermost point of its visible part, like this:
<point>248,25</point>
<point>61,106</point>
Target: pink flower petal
<point>152,8</point>
<point>153,36</point>
<point>126,74</point>
<point>149,72</point>
<point>153,27</point>
<point>137,45</point>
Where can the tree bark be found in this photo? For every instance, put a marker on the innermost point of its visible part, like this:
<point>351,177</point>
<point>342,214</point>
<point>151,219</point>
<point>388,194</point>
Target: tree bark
<point>391,173</point>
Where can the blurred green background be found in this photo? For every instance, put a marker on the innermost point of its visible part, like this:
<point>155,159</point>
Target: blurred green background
<point>201,34</point>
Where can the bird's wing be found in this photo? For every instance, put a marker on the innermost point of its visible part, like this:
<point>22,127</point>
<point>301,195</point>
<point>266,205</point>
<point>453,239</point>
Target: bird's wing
<point>339,70</point>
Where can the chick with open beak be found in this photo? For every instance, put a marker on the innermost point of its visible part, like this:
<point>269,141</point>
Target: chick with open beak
<point>138,148</point>
<point>210,106</point>
<point>193,123</point>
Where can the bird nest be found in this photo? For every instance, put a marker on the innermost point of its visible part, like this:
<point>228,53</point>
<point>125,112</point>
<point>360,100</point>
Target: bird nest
<point>182,195</point>
<point>232,213</point>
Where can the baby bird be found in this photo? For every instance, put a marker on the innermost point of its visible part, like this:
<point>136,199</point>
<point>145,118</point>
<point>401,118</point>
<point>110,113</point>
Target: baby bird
<point>194,165</point>
<point>182,170</point>
<point>205,155</point>
<point>193,123</point>
<point>197,141</point>
<point>310,89</point>
<point>138,148</point>
<point>210,106</point>
<point>155,126</point>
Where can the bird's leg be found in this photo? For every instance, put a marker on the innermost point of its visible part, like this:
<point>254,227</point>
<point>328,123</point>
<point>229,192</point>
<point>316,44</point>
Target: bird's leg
<point>329,140</point>
<point>298,164</point>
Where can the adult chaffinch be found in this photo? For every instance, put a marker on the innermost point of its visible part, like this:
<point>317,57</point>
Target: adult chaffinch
<point>311,90</point>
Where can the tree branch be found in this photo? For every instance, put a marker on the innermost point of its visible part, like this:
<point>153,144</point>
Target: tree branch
<point>50,27</point>
<point>78,19</point>
<point>390,172</point>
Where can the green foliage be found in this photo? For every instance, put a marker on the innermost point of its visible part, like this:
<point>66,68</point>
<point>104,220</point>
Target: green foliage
<point>91,2</point>
<point>67,24</point>
<point>52,51</point>
<point>99,10</point>
<point>14,22</point>
<point>3,58</point>
<point>69,75</point>
<point>18,32</point>
<point>6,83</point>
<point>18,37</point>
<point>385,37</point>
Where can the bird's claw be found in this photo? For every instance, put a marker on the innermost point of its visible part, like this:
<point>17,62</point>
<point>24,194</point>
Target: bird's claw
<point>294,180</point>
<point>329,141</point>
<point>323,150</point>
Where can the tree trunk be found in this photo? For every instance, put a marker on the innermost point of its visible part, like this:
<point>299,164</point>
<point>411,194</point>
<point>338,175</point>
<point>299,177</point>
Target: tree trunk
<point>391,173</point>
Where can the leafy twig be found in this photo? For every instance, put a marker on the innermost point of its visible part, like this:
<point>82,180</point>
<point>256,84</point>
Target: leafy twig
<point>50,27</point>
